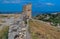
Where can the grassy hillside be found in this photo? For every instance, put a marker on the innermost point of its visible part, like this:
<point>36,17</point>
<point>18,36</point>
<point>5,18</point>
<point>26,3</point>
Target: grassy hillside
<point>4,33</point>
<point>54,18</point>
<point>40,30</point>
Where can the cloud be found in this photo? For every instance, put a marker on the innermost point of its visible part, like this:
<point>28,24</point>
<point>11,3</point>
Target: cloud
<point>49,4</point>
<point>11,1</point>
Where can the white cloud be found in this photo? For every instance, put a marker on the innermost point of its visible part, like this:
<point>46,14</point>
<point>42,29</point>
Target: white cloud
<point>49,4</point>
<point>5,2</point>
<point>11,1</point>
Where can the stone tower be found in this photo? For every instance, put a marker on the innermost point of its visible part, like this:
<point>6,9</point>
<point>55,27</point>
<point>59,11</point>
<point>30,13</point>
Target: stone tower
<point>27,10</point>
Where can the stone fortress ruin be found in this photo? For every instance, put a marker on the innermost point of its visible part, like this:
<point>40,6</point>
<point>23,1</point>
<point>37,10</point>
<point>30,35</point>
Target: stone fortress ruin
<point>26,11</point>
<point>16,22</point>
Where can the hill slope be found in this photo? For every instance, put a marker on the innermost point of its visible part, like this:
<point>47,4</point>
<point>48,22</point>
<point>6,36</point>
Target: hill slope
<point>52,17</point>
<point>41,30</point>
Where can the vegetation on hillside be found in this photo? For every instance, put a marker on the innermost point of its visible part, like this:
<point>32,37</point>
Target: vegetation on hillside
<point>54,18</point>
<point>4,32</point>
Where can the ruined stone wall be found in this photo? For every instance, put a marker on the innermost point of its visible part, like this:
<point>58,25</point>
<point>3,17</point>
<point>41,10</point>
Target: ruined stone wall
<point>27,10</point>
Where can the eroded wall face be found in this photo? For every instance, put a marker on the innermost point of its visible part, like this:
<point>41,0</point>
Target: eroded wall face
<point>27,10</point>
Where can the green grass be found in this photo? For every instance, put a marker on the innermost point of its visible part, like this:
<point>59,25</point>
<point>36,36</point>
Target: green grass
<point>34,36</point>
<point>4,33</point>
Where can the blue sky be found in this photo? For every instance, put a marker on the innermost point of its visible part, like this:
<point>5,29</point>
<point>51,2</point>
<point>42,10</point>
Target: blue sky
<point>37,5</point>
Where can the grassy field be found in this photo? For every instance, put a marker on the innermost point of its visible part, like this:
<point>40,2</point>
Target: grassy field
<point>40,30</point>
<point>4,33</point>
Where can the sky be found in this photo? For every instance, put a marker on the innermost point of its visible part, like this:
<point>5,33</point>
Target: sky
<point>37,5</point>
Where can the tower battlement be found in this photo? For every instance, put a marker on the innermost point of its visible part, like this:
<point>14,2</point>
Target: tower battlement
<point>27,9</point>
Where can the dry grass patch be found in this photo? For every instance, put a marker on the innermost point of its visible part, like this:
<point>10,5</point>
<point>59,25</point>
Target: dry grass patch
<point>42,30</point>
